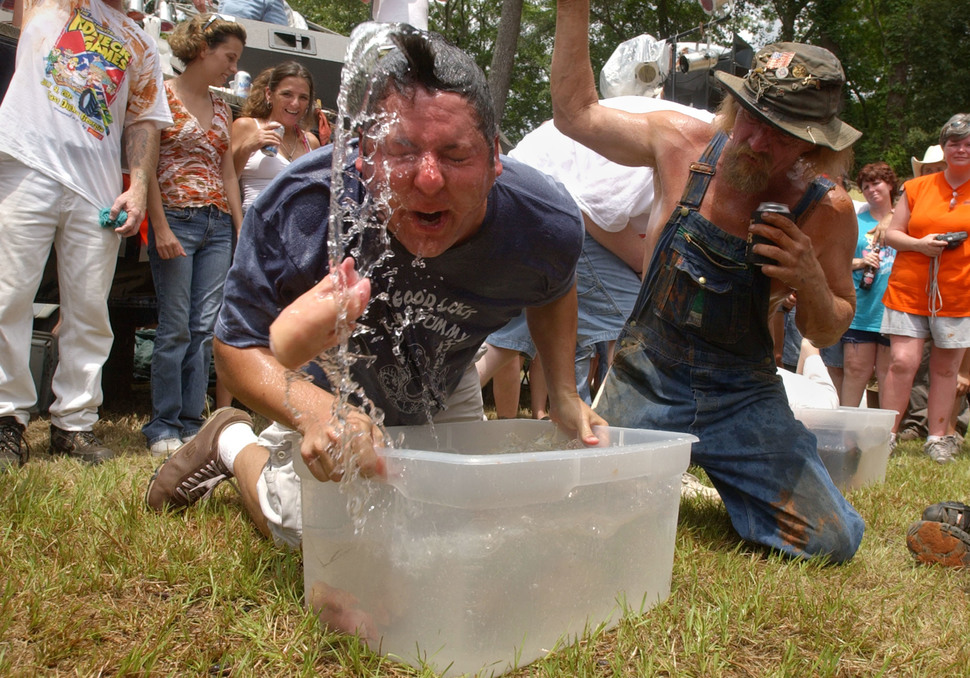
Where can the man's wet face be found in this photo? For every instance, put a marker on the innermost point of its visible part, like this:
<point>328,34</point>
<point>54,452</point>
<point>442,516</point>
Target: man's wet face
<point>429,155</point>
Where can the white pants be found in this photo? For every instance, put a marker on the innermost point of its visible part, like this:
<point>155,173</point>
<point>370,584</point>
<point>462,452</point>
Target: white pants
<point>278,488</point>
<point>35,213</point>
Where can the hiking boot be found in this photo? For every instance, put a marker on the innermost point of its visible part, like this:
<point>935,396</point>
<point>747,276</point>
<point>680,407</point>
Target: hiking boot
<point>194,470</point>
<point>949,512</point>
<point>13,446</point>
<point>81,445</point>
<point>943,449</point>
<point>938,543</point>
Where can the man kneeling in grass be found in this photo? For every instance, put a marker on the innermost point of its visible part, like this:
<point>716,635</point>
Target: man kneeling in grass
<point>454,209</point>
<point>696,355</point>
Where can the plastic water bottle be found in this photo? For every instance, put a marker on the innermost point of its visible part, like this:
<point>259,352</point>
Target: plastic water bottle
<point>242,83</point>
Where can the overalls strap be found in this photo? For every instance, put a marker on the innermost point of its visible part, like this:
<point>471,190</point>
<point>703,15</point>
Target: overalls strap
<point>701,172</point>
<point>811,198</point>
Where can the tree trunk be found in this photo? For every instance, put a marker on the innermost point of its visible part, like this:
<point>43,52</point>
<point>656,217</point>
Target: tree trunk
<point>503,56</point>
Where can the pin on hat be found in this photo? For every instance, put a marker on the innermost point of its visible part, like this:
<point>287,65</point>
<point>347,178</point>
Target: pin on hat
<point>798,89</point>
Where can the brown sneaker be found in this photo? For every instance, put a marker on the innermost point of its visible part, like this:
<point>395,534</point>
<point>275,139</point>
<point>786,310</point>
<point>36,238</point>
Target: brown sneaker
<point>81,445</point>
<point>939,543</point>
<point>194,470</point>
<point>13,448</point>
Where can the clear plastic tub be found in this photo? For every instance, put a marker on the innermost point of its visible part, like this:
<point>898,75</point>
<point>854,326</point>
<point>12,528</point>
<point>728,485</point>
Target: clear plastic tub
<point>493,541</point>
<point>852,442</point>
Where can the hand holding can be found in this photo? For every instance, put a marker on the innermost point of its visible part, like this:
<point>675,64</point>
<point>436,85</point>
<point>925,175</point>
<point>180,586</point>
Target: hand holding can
<point>756,217</point>
<point>277,129</point>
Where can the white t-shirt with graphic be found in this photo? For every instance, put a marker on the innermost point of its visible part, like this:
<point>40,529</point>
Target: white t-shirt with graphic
<point>84,72</point>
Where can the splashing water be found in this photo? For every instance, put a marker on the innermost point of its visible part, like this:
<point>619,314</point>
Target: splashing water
<point>356,226</point>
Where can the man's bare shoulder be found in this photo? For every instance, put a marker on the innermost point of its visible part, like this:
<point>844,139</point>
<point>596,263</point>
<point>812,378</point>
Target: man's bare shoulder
<point>681,131</point>
<point>837,202</point>
<point>834,218</point>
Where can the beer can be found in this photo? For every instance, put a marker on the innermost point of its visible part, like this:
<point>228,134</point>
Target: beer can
<point>270,150</point>
<point>757,218</point>
<point>242,83</point>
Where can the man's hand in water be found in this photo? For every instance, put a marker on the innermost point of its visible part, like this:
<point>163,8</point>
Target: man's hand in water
<point>572,414</point>
<point>308,326</point>
<point>327,451</point>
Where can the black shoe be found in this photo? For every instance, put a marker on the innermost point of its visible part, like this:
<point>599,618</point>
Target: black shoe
<point>13,447</point>
<point>81,445</point>
<point>949,512</point>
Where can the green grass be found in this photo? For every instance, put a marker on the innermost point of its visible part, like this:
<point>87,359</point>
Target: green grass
<point>93,584</point>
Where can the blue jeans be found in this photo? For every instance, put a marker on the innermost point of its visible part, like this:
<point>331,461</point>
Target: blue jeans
<point>606,290</point>
<point>270,11</point>
<point>832,356</point>
<point>189,293</point>
<point>763,462</point>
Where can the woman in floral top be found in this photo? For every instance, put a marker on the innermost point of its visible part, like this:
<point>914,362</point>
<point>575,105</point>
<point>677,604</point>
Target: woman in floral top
<point>193,207</point>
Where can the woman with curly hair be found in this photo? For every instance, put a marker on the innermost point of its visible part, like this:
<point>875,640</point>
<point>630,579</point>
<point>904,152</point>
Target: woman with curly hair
<point>864,349</point>
<point>193,208</point>
<point>271,134</point>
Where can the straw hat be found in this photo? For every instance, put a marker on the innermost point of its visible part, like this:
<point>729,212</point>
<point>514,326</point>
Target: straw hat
<point>798,89</point>
<point>933,154</point>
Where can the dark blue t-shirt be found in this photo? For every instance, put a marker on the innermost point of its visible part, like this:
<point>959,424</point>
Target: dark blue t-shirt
<point>425,322</point>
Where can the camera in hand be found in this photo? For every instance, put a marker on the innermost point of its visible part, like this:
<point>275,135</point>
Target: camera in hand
<point>952,239</point>
<point>757,218</point>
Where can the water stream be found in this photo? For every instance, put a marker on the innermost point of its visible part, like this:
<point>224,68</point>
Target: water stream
<point>356,227</point>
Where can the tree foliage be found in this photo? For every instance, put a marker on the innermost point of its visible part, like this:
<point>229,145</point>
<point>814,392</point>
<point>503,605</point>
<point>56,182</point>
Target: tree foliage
<point>905,60</point>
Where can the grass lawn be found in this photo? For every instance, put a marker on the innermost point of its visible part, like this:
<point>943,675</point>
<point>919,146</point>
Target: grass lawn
<point>93,584</point>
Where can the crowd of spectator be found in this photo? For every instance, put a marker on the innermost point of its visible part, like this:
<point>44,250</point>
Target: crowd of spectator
<point>635,256</point>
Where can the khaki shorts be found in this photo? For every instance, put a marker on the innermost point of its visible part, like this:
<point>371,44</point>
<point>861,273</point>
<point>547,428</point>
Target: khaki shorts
<point>946,332</point>
<point>278,487</point>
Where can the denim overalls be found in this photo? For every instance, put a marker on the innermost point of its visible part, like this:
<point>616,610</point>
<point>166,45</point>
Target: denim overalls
<point>696,356</point>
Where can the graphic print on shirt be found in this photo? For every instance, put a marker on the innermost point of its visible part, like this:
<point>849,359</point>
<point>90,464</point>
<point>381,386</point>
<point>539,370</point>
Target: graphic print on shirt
<point>85,70</point>
<point>427,328</point>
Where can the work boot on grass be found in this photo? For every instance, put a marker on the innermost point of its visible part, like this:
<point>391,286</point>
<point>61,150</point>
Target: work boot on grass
<point>13,448</point>
<point>933,543</point>
<point>949,512</point>
<point>194,470</point>
<point>81,445</point>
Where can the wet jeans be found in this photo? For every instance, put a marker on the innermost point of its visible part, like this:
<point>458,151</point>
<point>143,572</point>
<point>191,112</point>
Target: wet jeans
<point>763,462</point>
<point>189,292</point>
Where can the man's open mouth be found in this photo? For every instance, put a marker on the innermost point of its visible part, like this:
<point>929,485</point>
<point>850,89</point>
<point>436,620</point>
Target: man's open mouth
<point>428,217</point>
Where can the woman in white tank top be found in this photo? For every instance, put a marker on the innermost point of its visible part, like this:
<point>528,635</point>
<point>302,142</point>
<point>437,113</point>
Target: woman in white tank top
<point>280,100</point>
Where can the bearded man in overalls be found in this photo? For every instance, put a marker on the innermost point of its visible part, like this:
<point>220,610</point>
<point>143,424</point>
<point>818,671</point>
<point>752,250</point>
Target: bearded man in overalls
<point>696,354</point>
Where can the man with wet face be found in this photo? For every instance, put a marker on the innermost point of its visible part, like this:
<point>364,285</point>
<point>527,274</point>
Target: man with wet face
<point>475,238</point>
<point>696,354</point>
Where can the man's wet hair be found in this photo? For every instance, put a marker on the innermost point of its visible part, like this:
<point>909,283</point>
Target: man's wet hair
<point>427,60</point>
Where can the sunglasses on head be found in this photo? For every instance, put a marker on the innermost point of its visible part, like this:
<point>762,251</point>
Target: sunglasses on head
<point>212,20</point>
